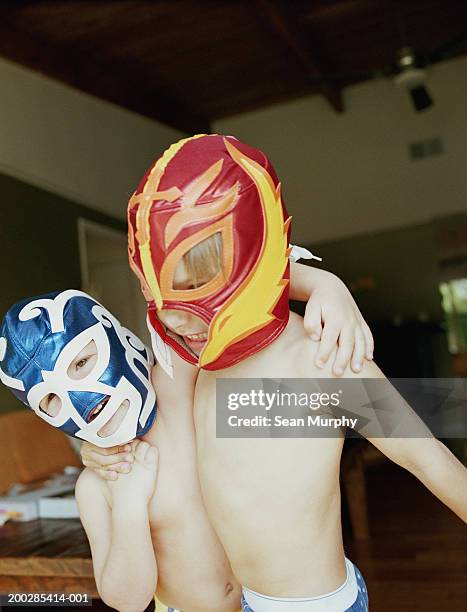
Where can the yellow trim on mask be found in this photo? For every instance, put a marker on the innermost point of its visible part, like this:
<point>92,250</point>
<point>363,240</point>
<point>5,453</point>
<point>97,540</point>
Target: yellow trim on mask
<point>146,198</point>
<point>250,307</point>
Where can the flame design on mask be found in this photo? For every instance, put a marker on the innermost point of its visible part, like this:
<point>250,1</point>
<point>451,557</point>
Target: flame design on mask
<point>148,278</point>
<point>187,214</point>
<point>250,307</point>
<point>205,212</point>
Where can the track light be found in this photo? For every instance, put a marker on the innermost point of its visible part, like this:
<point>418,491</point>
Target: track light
<point>413,80</point>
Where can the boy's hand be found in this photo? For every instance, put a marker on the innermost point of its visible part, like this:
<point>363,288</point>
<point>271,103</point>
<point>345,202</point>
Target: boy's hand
<point>333,317</point>
<point>107,462</point>
<point>140,483</point>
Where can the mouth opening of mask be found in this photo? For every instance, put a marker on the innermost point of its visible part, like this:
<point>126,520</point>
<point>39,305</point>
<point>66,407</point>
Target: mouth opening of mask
<point>182,342</point>
<point>114,422</point>
<point>97,409</point>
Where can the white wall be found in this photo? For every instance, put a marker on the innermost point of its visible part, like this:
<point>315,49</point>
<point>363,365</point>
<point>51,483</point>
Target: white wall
<point>74,144</point>
<point>349,174</point>
<point>342,174</point>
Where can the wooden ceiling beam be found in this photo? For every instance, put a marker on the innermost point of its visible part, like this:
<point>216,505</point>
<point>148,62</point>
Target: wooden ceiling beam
<point>278,16</point>
<point>97,77</point>
<point>342,9</point>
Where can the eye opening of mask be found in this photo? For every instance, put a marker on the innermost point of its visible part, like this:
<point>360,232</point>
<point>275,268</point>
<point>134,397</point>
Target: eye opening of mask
<point>200,264</point>
<point>84,362</point>
<point>51,405</point>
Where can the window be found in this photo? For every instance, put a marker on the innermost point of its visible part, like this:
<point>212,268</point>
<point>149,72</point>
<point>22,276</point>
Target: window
<point>454,303</point>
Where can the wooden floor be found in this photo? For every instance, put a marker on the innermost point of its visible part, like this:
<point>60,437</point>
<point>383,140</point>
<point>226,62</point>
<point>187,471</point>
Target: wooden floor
<point>416,558</point>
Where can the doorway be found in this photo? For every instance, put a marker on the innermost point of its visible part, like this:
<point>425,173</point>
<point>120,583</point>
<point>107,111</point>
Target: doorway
<point>107,277</point>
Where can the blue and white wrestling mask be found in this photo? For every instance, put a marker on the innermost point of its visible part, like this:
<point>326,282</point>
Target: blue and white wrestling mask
<point>40,340</point>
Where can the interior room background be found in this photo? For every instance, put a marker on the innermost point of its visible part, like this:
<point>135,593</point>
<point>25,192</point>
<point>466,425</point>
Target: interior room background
<point>394,228</point>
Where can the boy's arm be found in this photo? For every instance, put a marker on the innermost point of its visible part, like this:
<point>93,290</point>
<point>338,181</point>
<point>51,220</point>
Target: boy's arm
<point>331,304</point>
<point>425,457</point>
<point>123,557</point>
<point>174,393</point>
<point>440,471</point>
<point>178,390</point>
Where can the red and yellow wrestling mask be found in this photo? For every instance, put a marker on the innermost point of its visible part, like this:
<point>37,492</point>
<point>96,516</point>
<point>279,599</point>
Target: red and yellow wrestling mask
<point>215,200</point>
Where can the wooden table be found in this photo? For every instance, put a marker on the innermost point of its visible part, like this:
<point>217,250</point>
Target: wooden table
<point>46,555</point>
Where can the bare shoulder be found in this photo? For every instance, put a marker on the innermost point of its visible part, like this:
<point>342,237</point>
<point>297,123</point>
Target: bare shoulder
<point>304,351</point>
<point>182,380</point>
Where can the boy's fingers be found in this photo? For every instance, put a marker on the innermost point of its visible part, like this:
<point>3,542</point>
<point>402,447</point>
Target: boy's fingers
<point>326,346</point>
<point>370,343</point>
<point>344,352</point>
<point>107,475</point>
<point>122,468</point>
<point>312,321</point>
<point>88,449</point>
<point>83,447</point>
<point>105,461</point>
<point>358,351</point>
<point>96,466</point>
<point>134,443</point>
